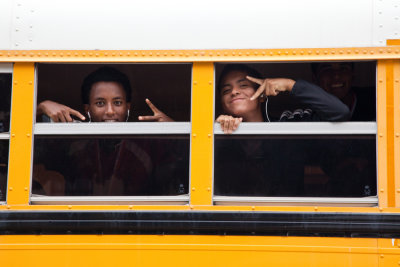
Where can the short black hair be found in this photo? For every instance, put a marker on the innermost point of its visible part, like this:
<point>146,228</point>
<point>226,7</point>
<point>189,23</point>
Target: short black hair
<point>316,65</point>
<point>105,74</point>
<point>238,67</point>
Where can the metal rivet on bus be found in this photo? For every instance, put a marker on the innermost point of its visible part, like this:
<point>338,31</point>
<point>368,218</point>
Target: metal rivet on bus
<point>218,54</point>
<point>294,52</point>
<point>12,135</point>
<point>371,52</point>
<point>193,188</point>
<point>263,53</point>
<point>396,81</point>
<point>136,54</point>
<point>240,53</point>
<point>233,53</point>
<point>46,54</point>
<point>397,134</point>
<point>253,208</point>
<point>398,190</point>
<point>128,54</point>
<point>30,40</point>
<point>69,207</point>
<point>309,52</point>
<point>28,135</point>
<point>208,189</point>
<point>195,82</point>
<point>180,54</point>
<point>26,188</point>
<point>158,54</point>
<point>381,81</point>
<point>380,135</point>
<point>382,256</point>
<point>389,50</point>
<point>286,53</point>
<point>315,208</point>
<point>209,135</point>
<point>382,190</point>
<point>256,53</point>
<point>301,52</point>
<point>191,207</point>
<point>30,82</point>
<point>396,51</point>
<point>333,52</point>
<point>8,207</point>
<point>356,51</point>
<point>225,53</point>
<point>130,207</point>
<point>364,51</point>
<point>16,30</point>
<point>194,135</point>
<point>172,54</point>
<point>202,53</point>
<point>97,54</point>
<point>317,52</point>
<point>247,54</point>
<point>209,82</point>
<point>271,53</point>
<point>380,209</point>
<point>16,44</point>
<point>121,54</point>
<point>165,54</point>
<point>279,53</point>
<point>187,54</point>
<point>341,52</point>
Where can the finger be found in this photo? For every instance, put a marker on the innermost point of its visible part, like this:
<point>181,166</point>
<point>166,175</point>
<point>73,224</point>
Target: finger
<point>77,114</point>
<point>60,117</point>
<point>148,118</point>
<point>255,80</point>
<point>151,106</point>
<point>236,124</point>
<point>230,125</point>
<point>67,116</point>
<point>259,91</point>
<point>226,124</point>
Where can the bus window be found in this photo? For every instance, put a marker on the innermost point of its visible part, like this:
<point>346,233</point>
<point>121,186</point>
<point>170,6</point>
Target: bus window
<point>279,165</point>
<point>285,142</point>
<point>353,83</point>
<point>148,156</point>
<point>5,100</point>
<point>3,168</point>
<point>167,86</point>
<point>111,166</point>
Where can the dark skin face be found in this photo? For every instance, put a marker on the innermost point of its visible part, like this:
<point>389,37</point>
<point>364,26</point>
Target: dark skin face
<point>335,78</point>
<point>107,103</point>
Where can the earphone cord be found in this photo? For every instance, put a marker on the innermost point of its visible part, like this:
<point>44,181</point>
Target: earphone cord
<point>266,109</point>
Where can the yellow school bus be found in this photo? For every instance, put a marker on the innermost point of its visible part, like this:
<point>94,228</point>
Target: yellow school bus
<point>208,204</point>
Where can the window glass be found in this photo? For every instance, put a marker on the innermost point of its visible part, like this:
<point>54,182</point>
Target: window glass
<point>279,165</point>
<point>5,101</point>
<point>111,166</point>
<point>3,168</point>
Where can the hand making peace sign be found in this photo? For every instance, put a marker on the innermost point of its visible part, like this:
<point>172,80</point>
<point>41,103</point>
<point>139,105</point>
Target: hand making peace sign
<point>271,86</point>
<point>158,115</point>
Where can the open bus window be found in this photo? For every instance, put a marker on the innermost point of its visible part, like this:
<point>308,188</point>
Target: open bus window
<point>325,91</point>
<point>156,165</point>
<point>301,153</point>
<point>317,166</point>
<point>3,168</point>
<point>5,101</point>
<point>167,86</point>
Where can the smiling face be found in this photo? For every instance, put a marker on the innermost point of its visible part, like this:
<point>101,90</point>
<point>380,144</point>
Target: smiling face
<point>107,102</point>
<point>235,92</point>
<point>335,78</point>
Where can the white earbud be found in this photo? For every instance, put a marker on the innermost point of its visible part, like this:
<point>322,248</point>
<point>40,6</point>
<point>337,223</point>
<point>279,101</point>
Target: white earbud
<point>127,117</point>
<point>90,118</point>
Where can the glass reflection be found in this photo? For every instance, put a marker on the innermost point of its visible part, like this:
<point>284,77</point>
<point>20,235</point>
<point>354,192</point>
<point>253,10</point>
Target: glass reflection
<point>118,166</point>
<point>315,166</point>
